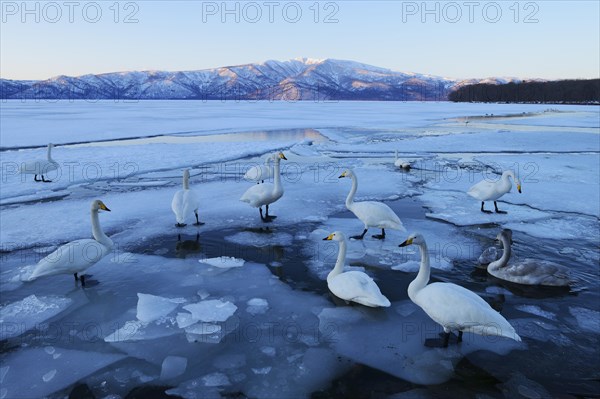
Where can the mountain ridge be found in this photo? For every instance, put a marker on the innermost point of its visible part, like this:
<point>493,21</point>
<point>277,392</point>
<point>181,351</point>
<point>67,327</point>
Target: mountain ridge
<point>297,79</point>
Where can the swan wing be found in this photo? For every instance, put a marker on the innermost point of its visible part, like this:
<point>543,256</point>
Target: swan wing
<point>358,287</point>
<point>73,257</point>
<point>261,194</point>
<point>37,167</point>
<point>455,307</point>
<point>190,202</point>
<point>535,272</point>
<point>484,190</point>
<point>259,173</point>
<point>377,214</point>
<point>177,205</point>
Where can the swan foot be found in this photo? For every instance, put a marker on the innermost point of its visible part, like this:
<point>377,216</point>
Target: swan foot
<point>459,339</point>
<point>180,224</point>
<point>199,223</point>
<point>35,178</point>
<point>379,236</point>
<point>484,210</point>
<point>498,210</point>
<point>46,181</point>
<point>360,237</point>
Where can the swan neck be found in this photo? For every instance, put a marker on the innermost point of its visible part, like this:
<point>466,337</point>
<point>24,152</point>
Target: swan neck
<point>503,261</point>
<point>339,263</point>
<point>186,181</point>
<point>424,270</point>
<point>350,198</point>
<point>276,174</point>
<point>396,153</point>
<point>49,153</point>
<point>97,230</point>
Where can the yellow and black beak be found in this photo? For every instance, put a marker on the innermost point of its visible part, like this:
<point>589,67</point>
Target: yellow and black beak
<point>104,207</point>
<point>406,243</point>
<point>282,156</point>
<point>329,237</point>
<point>342,175</point>
<point>518,187</point>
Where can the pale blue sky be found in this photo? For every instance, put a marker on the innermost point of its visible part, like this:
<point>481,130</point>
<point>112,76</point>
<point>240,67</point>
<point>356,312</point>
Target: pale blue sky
<point>177,35</point>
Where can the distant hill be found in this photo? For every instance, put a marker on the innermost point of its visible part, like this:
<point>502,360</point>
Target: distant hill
<point>298,79</point>
<point>555,92</point>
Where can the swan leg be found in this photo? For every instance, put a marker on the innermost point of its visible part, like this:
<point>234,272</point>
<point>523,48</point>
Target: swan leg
<point>360,237</point>
<point>438,342</point>
<point>76,278</point>
<point>267,218</point>
<point>35,178</point>
<point>82,278</point>
<point>460,333</point>
<point>380,236</point>
<point>46,181</point>
<point>498,210</point>
<point>446,339</point>
<point>261,215</point>
<point>483,210</point>
<point>198,222</point>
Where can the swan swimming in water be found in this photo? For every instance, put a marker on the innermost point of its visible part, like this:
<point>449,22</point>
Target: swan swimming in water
<point>266,193</point>
<point>185,202</point>
<point>452,306</point>
<point>40,167</point>
<point>260,173</point>
<point>371,213</point>
<point>487,190</point>
<point>527,271</point>
<point>352,286</point>
<point>76,256</point>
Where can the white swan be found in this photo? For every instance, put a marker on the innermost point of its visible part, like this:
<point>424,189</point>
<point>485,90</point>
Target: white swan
<point>260,173</point>
<point>352,286</point>
<point>371,213</point>
<point>527,271</point>
<point>40,167</point>
<point>452,306</point>
<point>76,256</point>
<point>490,191</point>
<point>266,193</point>
<point>185,202</point>
<point>401,163</point>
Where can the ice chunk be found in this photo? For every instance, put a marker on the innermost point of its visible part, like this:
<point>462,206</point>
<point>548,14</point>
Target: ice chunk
<point>19,317</point>
<point>587,319</point>
<point>224,262</point>
<point>536,310</point>
<point>215,380</point>
<point>410,266</point>
<point>184,320</point>
<point>135,330</point>
<point>151,307</point>
<point>211,310</point>
<point>261,239</point>
<point>257,306</point>
<point>269,351</point>
<point>203,329</point>
<point>262,370</point>
<point>50,375</point>
<point>173,366</point>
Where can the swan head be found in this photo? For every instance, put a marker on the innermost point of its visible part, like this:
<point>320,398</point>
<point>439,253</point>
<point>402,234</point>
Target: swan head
<point>512,174</point>
<point>99,205</point>
<point>335,236</point>
<point>346,173</point>
<point>279,156</point>
<point>518,185</point>
<point>414,238</point>
<point>505,233</point>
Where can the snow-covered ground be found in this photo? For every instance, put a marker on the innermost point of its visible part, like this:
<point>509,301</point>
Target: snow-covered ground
<point>237,305</point>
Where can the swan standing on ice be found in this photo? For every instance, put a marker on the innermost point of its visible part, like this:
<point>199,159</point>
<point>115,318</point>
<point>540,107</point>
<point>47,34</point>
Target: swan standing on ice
<point>260,173</point>
<point>266,193</point>
<point>401,163</point>
<point>76,256</point>
<point>40,167</point>
<point>452,306</point>
<point>185,202</point>
<point>352,286</point>
<point>371,213</point>
<point>490,191</point>
<point>527,271</point>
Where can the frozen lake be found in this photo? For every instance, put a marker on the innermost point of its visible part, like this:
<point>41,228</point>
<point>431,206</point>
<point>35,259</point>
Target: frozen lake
<point>169,310</point>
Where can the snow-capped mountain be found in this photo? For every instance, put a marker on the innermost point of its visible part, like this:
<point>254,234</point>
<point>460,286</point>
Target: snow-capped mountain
<point>297,79</point>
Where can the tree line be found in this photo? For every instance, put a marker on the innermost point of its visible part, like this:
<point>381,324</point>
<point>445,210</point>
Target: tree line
<point>556,92</point>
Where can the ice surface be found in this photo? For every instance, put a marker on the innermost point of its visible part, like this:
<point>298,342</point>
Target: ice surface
<point>261,239</point>
<point>211,310</point>
<point>224,262</point>
<point>44,374</point>
<point>152,307</point>
<point>18,317</point>
<point>587,319</point>
<point>536,310</point>
<point>173,366</point>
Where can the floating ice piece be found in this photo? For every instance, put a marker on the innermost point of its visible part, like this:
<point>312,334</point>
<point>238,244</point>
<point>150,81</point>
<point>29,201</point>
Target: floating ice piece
<point>269,351</point>
<point>151,307</point>
<point>261,239</point>
<point>262,370</point>
<point>203,328</point>
<point>257,306</point>
<point>213,310</point>
<point>184,320</point>
<point>224,262</point>
<point>410,266</point>
<point>587,319</point>
<point>536,310</point>
<point>50,375</point>
<point>215,380</point>
<point>135,330</point>
<point>173,366</point>
<point>19,317</point>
